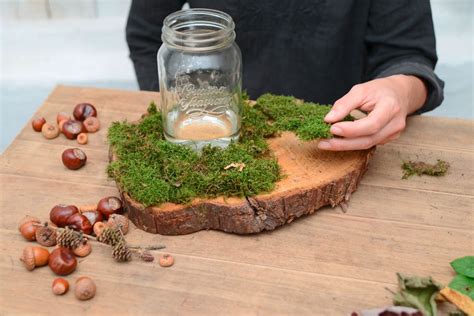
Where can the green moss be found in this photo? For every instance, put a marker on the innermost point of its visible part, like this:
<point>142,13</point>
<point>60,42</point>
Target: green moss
<point>154,171</point>
<point>419,168</point>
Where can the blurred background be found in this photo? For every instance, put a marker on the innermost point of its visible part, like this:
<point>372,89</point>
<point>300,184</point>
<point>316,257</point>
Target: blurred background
<point>82,42</point>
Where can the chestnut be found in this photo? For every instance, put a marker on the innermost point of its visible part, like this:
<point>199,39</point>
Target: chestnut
<point>60,214</point>
<point>74,158</point>
<point>109,205</point>
<point>72,128</point>
<point>50,131</point>
<point>83,111</point>
<point>79,222</point>
<point>93,216</point>
<point>37,123</point>
<point>62,261</point>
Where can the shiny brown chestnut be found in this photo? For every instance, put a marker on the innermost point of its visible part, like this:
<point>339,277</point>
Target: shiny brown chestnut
<point>74,158</point>
<point>62,261</point>
<point>110,205</point>
<point>61,212</point>
<point>79,222</point>
<point>83,111</point>
<point>37,123</point>
<point>72,128</point>
<point>93,216</point>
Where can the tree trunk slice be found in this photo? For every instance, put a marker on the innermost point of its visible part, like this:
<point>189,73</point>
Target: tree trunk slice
<point>313,178</point>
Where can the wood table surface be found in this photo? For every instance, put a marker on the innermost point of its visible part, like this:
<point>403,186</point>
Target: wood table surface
<point>328,263</point>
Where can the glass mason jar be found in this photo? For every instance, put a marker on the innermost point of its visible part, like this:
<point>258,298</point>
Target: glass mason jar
<point>200,74</point>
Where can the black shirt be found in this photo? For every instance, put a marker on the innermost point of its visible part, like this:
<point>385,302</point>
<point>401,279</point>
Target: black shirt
<point>315,50</point>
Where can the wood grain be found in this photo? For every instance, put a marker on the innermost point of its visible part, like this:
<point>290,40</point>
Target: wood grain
<point>329,263</point>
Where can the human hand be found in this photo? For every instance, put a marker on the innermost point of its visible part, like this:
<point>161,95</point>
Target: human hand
<point>388,101</point>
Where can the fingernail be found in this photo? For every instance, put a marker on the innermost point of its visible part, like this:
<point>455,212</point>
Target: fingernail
<point>324,145</point>
<point>336,130</point>
<point>330,116</point>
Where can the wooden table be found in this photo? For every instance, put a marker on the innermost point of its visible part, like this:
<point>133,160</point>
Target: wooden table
<point>329,263</point>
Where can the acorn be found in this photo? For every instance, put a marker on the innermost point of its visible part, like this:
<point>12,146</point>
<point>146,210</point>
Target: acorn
<point>98,228</point>
<point>166,260</point>
<point>60,286</point>
<point>92,124</point>
<point>84,289</point>
<point>82,139</point>
<point>28,227</point>
<point>34,256</point>
<point>62,116</point>
<point>83,250</point>
<point>118,221</point>
<point>50,131</point>
<point>46,236</point>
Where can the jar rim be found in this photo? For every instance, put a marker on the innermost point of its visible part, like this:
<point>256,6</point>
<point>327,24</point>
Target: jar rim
<point>198,29</point>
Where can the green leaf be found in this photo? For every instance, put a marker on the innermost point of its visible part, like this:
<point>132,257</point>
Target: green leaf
<point>463,284</point>
<point>418,293</point>
<point>464,266</point>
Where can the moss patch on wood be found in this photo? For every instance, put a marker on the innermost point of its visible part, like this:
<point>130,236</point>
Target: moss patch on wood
<point>154,171</point>
<point>419,168</point>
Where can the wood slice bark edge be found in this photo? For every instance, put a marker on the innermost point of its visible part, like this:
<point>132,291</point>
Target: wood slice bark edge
<point>246,215</point>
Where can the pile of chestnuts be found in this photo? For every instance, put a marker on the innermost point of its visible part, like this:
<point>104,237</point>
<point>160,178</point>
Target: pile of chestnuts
<point>69,229</point>
<point>62,260</point>
<point>83,121</point>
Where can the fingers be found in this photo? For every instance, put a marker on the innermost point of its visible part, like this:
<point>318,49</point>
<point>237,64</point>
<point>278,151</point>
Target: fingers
<point>381,115</point>
<point>353,99</point>
<point>389,132</point>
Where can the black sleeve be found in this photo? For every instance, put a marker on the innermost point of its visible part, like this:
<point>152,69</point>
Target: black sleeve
<point>143,32</point>
<point>400,39</point>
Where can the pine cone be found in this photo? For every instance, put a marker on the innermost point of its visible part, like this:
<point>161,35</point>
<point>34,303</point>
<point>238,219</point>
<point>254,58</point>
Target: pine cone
<point>147,256</point>
<point>121,252</point>
<point>69,238</point>
<point>110,236</point>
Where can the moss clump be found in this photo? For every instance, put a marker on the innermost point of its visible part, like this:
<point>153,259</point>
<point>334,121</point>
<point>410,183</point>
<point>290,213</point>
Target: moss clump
<point>419,168</point>
<point>305,119</point>
<point>154,171</point>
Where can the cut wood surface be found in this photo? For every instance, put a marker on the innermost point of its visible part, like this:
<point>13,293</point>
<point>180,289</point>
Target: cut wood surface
<point>312,179</point>
<point>329,263</point>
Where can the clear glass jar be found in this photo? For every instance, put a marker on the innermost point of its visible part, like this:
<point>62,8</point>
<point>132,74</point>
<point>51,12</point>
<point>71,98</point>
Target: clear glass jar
<point>200,74</point>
